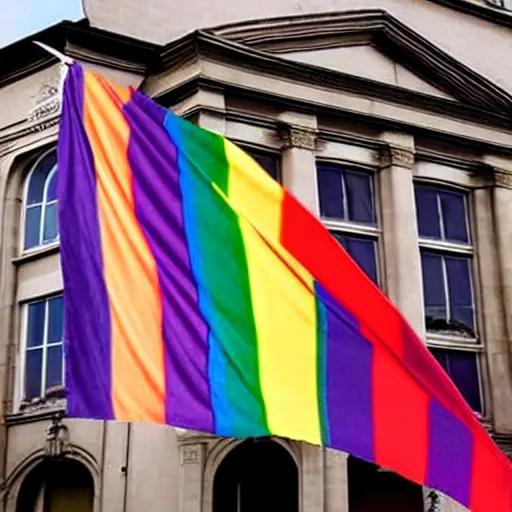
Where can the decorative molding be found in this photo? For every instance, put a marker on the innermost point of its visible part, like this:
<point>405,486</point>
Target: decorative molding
<point>191,453</point>
<point>503,178</point>
<point>294,137</point>
<point>396,156</point>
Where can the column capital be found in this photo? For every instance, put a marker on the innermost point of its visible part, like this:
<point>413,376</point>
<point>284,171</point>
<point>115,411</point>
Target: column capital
<point>391,155</point>
<point>298,137</point>
<point>502,178</point>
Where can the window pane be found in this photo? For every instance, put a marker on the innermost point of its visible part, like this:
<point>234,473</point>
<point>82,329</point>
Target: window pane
<point>32,227</point>
<point>427,212</point>
<point>433,289</point>
<point>35,327</point>
<point>454,216</point>
<point>462,367</point>
<point>363,252</point>
<point>33,366</point>
<point>55,309</point>
<point>461,298</point>
<point>38,178</point>
<point>51,192</point>
<point>50,223</point>
<point>359,197</point>
<point>330,192</point>
<point>268,162</point>
<point>54,367</point>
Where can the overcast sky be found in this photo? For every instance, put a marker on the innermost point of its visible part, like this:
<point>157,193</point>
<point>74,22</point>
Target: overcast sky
<point>20,18</point>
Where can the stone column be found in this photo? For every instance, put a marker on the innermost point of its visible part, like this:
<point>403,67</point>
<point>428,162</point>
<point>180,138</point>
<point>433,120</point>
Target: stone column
<point>298,165</point>
<point>495,281</point>
<point>312,469</point>
<point>191,477</point>
<point>399,229</point>
<point>335,481</point>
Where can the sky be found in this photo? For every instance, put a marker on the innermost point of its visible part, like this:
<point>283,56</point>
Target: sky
<point>20,18</point>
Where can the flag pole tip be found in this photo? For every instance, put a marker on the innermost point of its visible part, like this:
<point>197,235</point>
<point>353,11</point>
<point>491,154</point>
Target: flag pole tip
<point>63,58</point>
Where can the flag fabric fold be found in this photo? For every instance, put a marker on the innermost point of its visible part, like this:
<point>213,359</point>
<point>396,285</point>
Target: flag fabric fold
<point>199,293</point>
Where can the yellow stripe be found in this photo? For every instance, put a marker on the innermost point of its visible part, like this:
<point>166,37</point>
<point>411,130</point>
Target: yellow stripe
<point>283,304</point>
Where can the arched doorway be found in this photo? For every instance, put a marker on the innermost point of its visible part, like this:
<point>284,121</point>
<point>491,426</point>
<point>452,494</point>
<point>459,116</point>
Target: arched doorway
<point>57,486</point>
<point>371,489</point>
<point>256,476</point>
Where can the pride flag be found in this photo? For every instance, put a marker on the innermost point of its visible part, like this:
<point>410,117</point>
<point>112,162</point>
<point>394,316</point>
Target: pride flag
<point>201,294</point>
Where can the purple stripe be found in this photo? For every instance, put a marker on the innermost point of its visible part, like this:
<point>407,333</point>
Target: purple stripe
<point>450,454</point>
<point>349,381</point>
<point>158,206</point>
<point>86,306</point>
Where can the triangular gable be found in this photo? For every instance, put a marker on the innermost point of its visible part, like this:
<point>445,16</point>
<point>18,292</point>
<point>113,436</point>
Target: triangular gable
<point>371,38</point>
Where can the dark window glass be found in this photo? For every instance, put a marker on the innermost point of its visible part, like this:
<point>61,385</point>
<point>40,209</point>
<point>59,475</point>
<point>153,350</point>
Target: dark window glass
<point>441,214</point>
<point>33,367</point>
<point>38,178</point>
<point>427,211</point>
<point>345,194</point>
<point>331,193</point>
<point>35,327</point>
<point>359,197</point>
<point>362,251</point>
<point>454,216</point>
<point>462,367</point>
<point>32,226</point>
<point>447,293</point>
<point>55,310</point>
<point>460,292</point>
<point>54,366</point>
<point>50,223</point>
<point>51,193</point>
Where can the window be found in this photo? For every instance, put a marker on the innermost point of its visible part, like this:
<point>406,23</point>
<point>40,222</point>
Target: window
<point>40,204</point>
<point>347,208</point>
<point>447,272</point>
<point>267,161</point>
<point>43,368</point>
<point>462,367</point>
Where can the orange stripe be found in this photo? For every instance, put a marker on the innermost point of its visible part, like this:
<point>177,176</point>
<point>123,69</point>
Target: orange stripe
<point>138,374</point>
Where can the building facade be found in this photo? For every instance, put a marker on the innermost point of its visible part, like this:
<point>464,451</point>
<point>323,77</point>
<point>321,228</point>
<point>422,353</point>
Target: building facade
<point>389,119</point>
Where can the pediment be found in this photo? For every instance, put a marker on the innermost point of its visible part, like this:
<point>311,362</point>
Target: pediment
<point>372,45</point>
<point>366,61</point>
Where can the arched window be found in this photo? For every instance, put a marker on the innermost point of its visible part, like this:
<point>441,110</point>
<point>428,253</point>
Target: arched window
<point>40,203</point>
<point>257,475</point>
<point>57,486</point>
<point>371,488</point>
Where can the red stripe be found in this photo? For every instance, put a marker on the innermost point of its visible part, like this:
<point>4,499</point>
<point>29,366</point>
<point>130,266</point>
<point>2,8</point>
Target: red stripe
<point>400,418</point>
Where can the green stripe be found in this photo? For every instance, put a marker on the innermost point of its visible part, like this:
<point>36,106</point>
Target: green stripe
<point>223,281</point>
<point>321,337</point>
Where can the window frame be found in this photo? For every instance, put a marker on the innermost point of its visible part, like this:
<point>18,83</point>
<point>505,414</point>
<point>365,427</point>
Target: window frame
<point>447,341</point>
<point>359,229</point>
<point>41,247</point>
<point>20,391</point>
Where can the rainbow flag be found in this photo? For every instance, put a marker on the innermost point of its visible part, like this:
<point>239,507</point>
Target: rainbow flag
<point>201,294</point>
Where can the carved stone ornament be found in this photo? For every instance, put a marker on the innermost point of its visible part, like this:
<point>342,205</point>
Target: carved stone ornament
<point>298,138</point>
<point>396,156</point>
<point>435,501</point>
<point>57,438</point>
<point>190,453</point>
<point>47,102</point>
<point>503,178</point>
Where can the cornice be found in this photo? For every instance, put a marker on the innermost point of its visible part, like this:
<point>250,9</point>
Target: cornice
<point>186,89</point>
<point>496,15</point>
<point>379,28</point>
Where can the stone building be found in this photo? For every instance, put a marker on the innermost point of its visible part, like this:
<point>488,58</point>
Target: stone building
<point>389,119</point>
